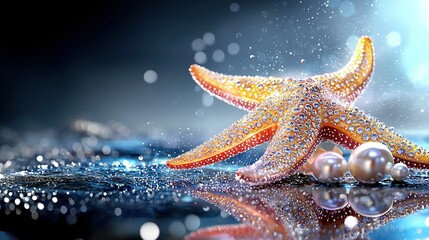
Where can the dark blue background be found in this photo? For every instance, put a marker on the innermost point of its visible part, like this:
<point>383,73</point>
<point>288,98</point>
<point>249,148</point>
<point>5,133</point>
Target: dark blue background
<point>68,60</point>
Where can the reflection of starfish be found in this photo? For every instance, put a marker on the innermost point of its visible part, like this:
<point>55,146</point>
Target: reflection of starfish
<point>287,212</point>
<point>295,114</point>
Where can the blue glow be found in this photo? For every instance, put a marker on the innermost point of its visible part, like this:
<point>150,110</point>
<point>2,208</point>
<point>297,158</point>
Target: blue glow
<point>411,227</point>
<point>410,19</point>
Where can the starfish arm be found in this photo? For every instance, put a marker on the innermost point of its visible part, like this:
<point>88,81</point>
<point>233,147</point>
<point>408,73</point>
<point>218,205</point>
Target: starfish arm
<point>241,91</point>
<point>350,127</point>
<point>349,82</point>
<point>294,142</point>
<point>248,210</point>
<point>248,92</point>
<point>257,127</point>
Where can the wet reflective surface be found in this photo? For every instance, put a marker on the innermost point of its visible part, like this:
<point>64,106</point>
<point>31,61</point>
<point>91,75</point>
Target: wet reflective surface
<point>115,186</point>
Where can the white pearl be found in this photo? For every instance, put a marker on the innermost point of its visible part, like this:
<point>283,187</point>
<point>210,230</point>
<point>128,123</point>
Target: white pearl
<point>329,167</point>
<point>399,172</point>
<point>370,162</point>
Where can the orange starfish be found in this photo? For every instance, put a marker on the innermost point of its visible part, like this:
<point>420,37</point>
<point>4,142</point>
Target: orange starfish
<point>296,115</point>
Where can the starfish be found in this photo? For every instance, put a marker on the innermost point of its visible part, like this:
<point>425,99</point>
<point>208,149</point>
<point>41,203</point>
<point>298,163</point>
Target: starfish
<point>289,212</point>
<point>296,115</point>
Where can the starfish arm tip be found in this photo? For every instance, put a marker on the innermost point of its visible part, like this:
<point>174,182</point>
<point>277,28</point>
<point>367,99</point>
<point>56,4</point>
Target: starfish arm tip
<point>170,165</point>
<point>366,39</point>
<point>194,67</point>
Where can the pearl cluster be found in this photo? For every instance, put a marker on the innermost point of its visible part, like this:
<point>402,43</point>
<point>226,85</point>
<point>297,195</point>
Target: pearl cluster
<point>369,163</point>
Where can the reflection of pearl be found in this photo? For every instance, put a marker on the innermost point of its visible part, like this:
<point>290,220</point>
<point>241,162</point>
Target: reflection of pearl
<point>370,162</point>
<point>329,167</point>
<point>330,198</point>
<point>399,172</point>
<point>370,202</point>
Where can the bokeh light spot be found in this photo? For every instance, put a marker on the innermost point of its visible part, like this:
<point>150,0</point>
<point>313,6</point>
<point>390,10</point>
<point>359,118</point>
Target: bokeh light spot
<point>200,57</point>
<point>352,41</point>
<point>192,222</point>
<point>347,9</point>
<point>207,100</point>
<point>198,44</point>
<point>177,229</point>
<point>149,231</point>
<point>350,222</point>
<point>209,38</point>
<point>218,56</point>
<point>234,7</point>
<point>150,76</point>
<point>233,48</point>
<point>118,211</point>
<point>419,75</point>
<point>393,39</point>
